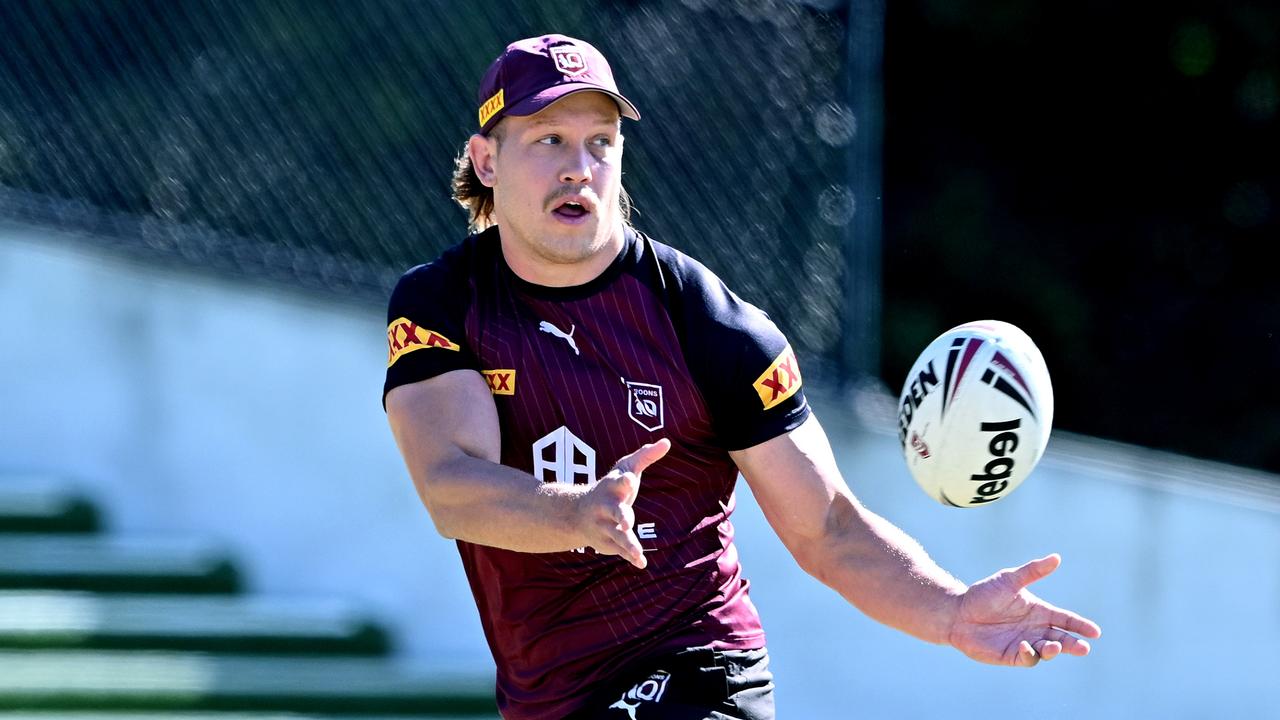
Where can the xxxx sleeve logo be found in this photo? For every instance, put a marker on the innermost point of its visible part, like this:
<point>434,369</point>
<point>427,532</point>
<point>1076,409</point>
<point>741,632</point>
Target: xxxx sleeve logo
<point>501,382</point>
<point>780,381</point>
<point>404,337</point>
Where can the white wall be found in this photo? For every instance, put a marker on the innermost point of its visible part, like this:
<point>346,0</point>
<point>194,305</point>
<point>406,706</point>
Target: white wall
<point>189,404</point>
<point>239,412</point>
<point>1178,561</point>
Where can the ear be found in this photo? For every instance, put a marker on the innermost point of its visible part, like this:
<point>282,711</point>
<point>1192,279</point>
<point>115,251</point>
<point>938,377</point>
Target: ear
<point>483,151</point>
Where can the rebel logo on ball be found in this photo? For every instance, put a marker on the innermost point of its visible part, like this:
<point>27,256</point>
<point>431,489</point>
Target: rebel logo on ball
<point>975,413</point>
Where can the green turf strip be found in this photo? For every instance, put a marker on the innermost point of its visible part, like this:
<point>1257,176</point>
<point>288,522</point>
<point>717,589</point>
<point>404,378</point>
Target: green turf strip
<point>111,564</point>
<point>33,504</point>
<point>122,680</point>
<point>52,619</point>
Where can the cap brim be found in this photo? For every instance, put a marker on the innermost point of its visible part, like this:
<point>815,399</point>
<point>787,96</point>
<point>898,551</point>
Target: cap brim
<point>539,101</point>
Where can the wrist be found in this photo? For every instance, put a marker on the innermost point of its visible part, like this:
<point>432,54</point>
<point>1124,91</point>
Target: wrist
<point>569,510</point>
<point>949,613</point>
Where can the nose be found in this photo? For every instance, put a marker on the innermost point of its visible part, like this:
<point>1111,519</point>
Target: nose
<point>577,167</point>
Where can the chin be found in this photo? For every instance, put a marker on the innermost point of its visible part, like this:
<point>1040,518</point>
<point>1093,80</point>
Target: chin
<point>568,245</point>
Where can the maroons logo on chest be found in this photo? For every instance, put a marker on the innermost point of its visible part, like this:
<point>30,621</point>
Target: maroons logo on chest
<point>644,405</point>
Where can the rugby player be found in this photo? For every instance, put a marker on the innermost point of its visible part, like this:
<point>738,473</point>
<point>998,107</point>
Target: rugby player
<point>574,401</point>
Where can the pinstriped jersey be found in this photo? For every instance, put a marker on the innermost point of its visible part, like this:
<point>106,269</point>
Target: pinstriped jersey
<point>654,347</point>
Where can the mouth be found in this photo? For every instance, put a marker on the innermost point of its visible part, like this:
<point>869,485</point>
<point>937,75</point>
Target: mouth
<point>573,209</point>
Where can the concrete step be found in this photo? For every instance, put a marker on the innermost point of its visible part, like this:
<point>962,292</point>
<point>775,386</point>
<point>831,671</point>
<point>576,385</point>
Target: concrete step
<point>111,564</point>
<point>134,681</point>
<point>44,505</point>
<point>53,619</point>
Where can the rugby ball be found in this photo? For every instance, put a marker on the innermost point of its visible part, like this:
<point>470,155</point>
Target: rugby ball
<point>975,413</point>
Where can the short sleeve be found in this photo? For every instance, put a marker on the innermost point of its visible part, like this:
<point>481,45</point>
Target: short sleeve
<point>745,368</point>
<point>426,326</point>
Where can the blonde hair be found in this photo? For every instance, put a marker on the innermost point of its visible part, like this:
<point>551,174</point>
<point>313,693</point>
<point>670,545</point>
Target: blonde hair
<point>477,198</point>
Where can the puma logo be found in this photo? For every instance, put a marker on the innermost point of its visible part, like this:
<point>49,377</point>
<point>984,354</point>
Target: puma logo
<point>650,690</point>
<point>629,707</point>
<point>547,327</point>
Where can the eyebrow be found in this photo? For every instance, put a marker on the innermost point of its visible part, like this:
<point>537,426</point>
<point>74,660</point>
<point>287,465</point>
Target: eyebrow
<point>600,119</point>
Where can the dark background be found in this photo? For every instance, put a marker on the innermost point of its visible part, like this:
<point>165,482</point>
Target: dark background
<point>1106,177</point>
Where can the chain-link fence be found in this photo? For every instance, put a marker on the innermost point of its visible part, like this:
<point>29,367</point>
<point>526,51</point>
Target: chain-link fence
<point>312,140</point>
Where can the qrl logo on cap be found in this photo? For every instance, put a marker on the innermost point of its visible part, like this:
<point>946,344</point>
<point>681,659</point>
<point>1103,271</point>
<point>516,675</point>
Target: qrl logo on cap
<point>569,61</point>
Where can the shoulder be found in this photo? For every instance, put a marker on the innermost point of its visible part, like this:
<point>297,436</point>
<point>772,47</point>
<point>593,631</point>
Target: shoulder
<point>703,298</point>
<point>456,264</point>
<point>427,312</point>
<point>738,356</point>
<point>446,279</point>
<point>683,271</point>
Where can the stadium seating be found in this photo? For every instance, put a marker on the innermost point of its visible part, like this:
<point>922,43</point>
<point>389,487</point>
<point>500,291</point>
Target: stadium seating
<point>95,626</point>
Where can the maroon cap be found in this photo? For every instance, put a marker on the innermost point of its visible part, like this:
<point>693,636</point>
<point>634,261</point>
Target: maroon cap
<point>535,72</point>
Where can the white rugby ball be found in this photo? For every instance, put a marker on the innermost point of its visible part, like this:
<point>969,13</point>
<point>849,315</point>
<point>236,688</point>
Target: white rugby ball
<point>975,413</point>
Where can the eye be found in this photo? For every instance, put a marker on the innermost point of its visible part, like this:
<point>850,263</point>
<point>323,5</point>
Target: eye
<point>604,141</point>
<point>549,140</point>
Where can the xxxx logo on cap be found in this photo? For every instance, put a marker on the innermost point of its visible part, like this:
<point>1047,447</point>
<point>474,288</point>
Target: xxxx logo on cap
<point>491,107</point>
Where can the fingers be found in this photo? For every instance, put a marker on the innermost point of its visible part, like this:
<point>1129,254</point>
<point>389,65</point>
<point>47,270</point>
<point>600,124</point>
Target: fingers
<point>1054,643</point>
<point>1072,622</point>
<point>610,522</point>
<point>1026,655</point>
<point>626,472</point>
<point>614,516</point>
<point>623,535</point>
<point>1047,649</point>
<point>1035,570</point>
<point>1073,645</point>
<point>622,486</point>
<point>615,536</point>
<point>642,458</point>
<point>628,546</point>
<point>1030,654</point>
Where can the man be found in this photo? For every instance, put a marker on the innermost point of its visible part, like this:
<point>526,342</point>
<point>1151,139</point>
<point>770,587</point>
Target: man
<point>558,338</point>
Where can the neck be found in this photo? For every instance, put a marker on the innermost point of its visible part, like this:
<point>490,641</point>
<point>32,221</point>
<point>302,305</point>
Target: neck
<point>542,267</point>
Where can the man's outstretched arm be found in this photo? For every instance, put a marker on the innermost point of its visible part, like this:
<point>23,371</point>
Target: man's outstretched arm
<point>447,430</point>
<point>888,575</point>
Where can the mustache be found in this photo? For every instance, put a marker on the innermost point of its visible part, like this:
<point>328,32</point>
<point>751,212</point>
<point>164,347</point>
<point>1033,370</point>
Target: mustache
<point>567,190</point>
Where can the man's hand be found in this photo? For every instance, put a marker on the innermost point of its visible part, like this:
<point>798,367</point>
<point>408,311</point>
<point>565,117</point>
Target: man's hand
<point>605,516</point>
<point>1000,622</point>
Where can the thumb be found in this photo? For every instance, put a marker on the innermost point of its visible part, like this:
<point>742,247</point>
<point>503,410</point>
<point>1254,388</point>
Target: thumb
<point>639,460</point>
<point>1035,570</point>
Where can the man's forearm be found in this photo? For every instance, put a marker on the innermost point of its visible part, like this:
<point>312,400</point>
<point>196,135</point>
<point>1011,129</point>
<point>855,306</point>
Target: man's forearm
<point>485,503</point>
<point>884,572</point>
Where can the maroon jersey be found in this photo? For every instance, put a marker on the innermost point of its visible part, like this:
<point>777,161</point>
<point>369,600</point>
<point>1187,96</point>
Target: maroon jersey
<point>654,347</point>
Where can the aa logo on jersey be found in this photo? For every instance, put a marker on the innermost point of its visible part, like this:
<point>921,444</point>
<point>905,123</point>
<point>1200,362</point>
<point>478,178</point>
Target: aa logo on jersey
<point>570,461</point>
<point>501,382</point>
<point>644,405</point>
<point>780,381</point>
<point>404,337</point>
<point>560,456</point>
